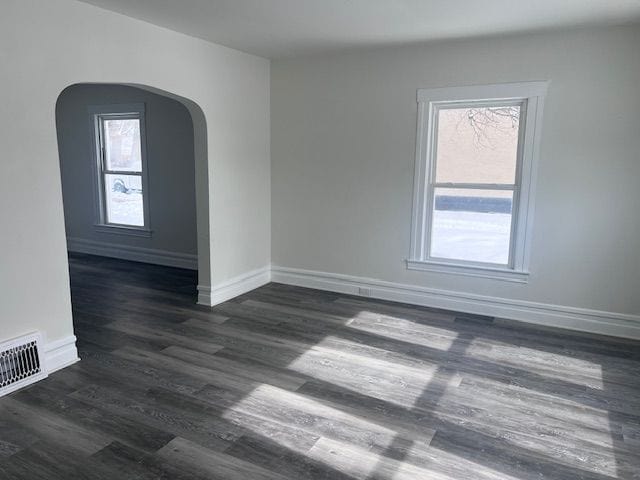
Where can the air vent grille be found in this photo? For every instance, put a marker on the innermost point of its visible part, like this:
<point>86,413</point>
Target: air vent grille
<point>20,363</point>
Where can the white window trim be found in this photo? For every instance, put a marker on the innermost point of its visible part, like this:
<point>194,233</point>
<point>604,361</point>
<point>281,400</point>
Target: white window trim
<point>101,225</point>
<point>533,93</point>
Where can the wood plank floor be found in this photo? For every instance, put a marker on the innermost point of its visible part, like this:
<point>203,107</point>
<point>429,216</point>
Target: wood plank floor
<point>291,383</point>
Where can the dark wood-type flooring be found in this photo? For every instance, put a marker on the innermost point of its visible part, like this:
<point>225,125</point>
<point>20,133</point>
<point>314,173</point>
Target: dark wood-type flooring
<point>292,383</point>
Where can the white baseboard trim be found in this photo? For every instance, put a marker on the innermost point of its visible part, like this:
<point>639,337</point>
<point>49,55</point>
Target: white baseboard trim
<point>244,283</point>
<point>60,353</point>
<point>572,318</point>
<point>137,254</point>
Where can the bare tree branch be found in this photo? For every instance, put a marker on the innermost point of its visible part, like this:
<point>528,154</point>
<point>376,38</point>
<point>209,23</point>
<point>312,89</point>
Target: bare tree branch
<point>484,119</point>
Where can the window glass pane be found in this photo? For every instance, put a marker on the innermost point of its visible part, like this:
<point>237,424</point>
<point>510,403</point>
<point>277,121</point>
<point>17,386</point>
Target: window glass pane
<point>123,194</point>
<point>472,225</point>
<point>477,144</point>
<point>122,145</point>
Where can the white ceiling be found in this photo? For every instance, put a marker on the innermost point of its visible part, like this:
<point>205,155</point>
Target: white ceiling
<point>281,28</point>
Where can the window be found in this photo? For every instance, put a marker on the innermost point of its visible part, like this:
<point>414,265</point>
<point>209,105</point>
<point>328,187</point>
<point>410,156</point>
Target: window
<point>475,165</point>
<point>122,204</point>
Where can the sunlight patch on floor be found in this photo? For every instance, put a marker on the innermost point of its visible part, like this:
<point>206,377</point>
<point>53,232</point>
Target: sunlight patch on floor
<point>442,459</point>
<point>315,417</point>
<point>601,460</point>
<point>362,464</point>
<point>538,362</point>
<point>376,377</point>
<point>397,328</point>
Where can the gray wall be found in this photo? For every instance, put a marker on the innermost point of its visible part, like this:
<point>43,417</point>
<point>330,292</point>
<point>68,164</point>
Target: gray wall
<point>343,147</point>
<point>170,161</point>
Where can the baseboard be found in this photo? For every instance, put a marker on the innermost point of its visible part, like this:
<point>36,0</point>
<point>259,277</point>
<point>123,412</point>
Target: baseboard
<point>244,283</point>
<point>60,353</point>
<point>137,254</point>
<point>580,319</point>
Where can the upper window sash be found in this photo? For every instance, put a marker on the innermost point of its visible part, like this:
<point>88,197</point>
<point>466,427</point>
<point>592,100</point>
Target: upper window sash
<point>101,139</point>
<point>529,96</point>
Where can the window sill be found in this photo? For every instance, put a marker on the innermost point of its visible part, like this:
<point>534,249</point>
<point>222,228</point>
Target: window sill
<point>122,230</point>
<point>493,273</point>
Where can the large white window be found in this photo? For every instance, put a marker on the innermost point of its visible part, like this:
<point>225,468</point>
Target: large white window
<point>475,165</point>
<point>121,180</point>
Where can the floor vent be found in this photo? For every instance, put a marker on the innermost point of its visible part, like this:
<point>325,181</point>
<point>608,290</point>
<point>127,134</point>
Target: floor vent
<point>21,363</point>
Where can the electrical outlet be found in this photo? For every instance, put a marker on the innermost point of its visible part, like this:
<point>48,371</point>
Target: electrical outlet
<point>364,291</point>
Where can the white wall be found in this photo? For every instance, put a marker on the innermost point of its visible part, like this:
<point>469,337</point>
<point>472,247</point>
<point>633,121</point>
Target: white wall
<point>343,142</point>
<point>170,165</point>
<point>47,45</point>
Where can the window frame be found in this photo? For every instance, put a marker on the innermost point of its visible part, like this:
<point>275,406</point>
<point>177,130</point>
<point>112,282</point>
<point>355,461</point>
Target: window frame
<point>99,113</point>
<point>530,95</point>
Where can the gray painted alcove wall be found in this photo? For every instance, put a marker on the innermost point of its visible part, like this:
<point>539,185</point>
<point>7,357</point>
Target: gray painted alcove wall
<point>170,160</point>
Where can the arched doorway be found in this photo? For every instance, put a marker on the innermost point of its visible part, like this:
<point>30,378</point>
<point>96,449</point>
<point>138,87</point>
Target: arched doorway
<point>154,210</point>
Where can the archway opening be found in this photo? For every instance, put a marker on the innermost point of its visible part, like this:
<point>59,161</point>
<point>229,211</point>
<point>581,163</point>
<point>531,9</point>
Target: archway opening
<point>134,168</point>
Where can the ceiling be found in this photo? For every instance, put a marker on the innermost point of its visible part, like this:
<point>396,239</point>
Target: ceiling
<point>283,28</point>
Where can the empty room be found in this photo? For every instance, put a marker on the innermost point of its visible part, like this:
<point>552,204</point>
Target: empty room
<point>320,239</point>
